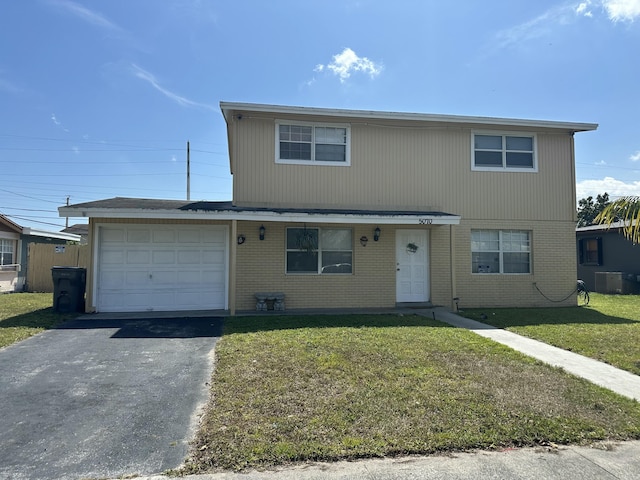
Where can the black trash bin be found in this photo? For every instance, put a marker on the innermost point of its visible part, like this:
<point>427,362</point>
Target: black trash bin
<point>68,289</point>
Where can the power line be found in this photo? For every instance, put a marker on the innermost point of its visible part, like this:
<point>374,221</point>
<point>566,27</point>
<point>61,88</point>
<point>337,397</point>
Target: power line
<point>27,196</point>
<point>28,209</point>
<point>28,219</point>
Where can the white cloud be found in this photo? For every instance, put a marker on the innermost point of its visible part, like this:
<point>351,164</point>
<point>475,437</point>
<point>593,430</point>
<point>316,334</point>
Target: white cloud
<point>565,14</point>
<point>85,14</point>
<point>615,188</point>
<point>347,62</point>
<point>622,10</point>
<point>151,79</point>
<point>58,123</point>
<point>583,9</point>
<point>635,157</point>
<point>536,27</point>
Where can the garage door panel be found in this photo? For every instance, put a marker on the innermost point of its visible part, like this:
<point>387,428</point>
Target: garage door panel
<point>110,257</point>
<point>162,267</point>
<point>137,235</point>
<point>113,279</point>
<point>189,257</point>
<point>189,236</point>
<point>164,236</point>
<point>113,234</point>
<point>162,278</point>
<point>135,279</point>
<point>164,257</point>
<point>213,257</point>
<point>138,257</point>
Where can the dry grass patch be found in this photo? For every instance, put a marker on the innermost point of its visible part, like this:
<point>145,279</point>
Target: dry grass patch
<point>291,389</point>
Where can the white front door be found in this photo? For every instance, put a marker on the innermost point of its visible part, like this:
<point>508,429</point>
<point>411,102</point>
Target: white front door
<point>412,266</point>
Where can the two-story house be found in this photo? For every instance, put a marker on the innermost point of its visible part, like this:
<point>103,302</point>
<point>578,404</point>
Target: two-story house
<point>353,209</point>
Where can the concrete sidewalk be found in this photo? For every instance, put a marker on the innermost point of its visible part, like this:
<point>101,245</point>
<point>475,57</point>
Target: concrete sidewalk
<point>606,461</point>
<point>619,381</point>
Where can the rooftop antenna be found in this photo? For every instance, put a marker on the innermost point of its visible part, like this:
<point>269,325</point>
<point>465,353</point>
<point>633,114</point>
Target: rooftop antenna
<point>188,174</point>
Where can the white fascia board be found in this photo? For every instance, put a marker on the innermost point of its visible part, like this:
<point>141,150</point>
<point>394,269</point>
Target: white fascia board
<point>227,107</point>
<point>48,234</point>
<point>267,216</point>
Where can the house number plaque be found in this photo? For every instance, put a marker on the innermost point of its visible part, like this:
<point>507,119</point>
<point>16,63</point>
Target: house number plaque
<point>425,221</point>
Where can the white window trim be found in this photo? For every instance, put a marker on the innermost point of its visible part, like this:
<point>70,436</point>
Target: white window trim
<point>15,266</point>
<point>319,251</point>
<point>504,168</point>
<point>501,253</point>
<point>346,126</point>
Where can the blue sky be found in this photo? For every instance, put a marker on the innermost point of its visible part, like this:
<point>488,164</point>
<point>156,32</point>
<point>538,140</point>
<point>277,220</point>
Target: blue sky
<point>99,99</point>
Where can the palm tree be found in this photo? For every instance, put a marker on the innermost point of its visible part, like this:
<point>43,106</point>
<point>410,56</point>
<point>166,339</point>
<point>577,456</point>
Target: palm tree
<point>627,211</point>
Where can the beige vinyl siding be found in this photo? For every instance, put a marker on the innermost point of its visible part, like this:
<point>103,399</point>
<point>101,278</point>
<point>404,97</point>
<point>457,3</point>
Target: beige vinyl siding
<point>404,167</point>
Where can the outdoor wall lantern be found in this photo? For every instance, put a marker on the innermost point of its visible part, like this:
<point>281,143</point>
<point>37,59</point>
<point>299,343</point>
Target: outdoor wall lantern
<point>363,241</point>
<point>376,234</point>
<point>261,230</point>
<point>241,239</point>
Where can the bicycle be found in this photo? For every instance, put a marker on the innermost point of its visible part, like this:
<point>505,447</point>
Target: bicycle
<point>583,293</point>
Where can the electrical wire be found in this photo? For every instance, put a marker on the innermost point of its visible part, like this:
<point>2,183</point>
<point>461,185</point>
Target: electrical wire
<point>556,301</point>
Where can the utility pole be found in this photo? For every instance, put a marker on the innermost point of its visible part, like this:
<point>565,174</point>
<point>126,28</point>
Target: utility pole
<point>188,174</point>
<point>66,222</point>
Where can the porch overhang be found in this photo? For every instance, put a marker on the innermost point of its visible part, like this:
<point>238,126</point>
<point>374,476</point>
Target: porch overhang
<point>129,208</point>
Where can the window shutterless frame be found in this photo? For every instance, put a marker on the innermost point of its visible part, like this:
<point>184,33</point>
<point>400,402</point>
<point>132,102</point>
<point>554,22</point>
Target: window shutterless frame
<point>318,251</point>
<point>307,143</point>
<point>498,151</point>
<point>506,252</point>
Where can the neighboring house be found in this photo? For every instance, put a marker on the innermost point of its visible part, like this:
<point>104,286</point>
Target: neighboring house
<point>81,229</point>
<point>14,240</point>
<point>353,209</point>
<point>607,261</point>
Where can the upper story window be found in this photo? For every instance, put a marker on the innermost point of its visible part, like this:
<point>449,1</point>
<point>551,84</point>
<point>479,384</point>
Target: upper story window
<point>514,152</point>
<point>7,254</point>
<point>312,143</point>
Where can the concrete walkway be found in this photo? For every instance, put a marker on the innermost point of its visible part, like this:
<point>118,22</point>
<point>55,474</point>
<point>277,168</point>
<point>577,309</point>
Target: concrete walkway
<point>619,381</point>
<point>609,461</point>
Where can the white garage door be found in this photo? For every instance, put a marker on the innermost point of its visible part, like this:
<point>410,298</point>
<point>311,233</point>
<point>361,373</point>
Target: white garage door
<point>161,268</point>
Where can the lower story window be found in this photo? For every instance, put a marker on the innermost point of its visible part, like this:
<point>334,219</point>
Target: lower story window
<point>319,250</point>
<point>6,253</point>
<point>500,251</point>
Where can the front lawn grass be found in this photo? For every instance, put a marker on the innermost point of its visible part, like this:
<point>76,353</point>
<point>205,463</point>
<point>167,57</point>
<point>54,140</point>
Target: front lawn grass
<point>25,314</point>
<point>323,388</point>
<point>608,329</point>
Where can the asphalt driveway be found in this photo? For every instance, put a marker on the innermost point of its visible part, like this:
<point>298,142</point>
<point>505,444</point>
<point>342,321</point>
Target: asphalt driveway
<point>104,398</point>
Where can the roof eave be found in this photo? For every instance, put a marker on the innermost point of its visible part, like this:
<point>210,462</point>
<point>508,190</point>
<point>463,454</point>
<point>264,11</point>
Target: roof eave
<point>381,218</point>
<point>229,109</point>
<point>34,232</point>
